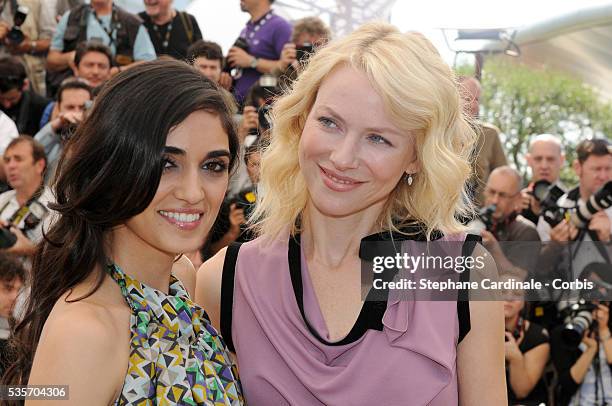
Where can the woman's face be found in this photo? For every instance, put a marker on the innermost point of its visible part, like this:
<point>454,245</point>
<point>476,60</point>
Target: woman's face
<point>512,308</point>
<point>191,189</point>
<point>351,154</point>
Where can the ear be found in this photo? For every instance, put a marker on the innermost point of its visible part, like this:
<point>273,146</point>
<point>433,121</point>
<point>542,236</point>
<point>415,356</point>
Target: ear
<point>26,85</point>
<point>528,158</point>
<point>413,167</point>
<point>40,166</point>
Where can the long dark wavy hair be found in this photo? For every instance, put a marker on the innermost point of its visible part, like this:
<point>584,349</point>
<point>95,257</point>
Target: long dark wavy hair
<point>110,172</point>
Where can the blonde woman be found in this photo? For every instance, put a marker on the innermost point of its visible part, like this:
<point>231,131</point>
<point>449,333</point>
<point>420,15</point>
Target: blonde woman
<point>370,143</point>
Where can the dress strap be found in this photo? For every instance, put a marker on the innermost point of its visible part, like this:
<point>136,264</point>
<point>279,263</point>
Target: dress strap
<point>227,293</point>
<point>120,278</point>
<point>463,301</point>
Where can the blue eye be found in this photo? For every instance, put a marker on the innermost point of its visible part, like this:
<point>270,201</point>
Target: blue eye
<point>327,122</point>
<point>378,139</point>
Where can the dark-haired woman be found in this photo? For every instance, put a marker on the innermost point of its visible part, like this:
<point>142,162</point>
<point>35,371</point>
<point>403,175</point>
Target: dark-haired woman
<point>146,174</point>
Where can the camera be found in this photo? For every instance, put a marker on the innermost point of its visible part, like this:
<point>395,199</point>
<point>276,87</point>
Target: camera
<point>580,215</point>
<point>7,238</point>
<point>577,319</point>
<point>484,219</point>
<point>15,36</point>
<point>547,195</point>
<point>303,52</point>
<point>236,72</point>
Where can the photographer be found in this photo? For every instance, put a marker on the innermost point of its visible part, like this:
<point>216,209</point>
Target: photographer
<point>24,209</point>
<point>526,352</point>
<point>593,167</point>
<point>503,190</point>
<point>308,34</point>
<point>585,376</point>
<point>72,99</point>
<point>24,106</point>
<point>26,28</point>
<point>545,158</point>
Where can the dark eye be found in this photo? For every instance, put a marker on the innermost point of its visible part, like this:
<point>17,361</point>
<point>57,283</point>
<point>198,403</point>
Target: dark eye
<point>327,122</point>
<point>168,163</point>
<point>378,139</point>
<point>216,166</point>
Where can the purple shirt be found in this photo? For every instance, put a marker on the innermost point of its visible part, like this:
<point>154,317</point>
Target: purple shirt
<point>412,360</point>
<point>266,38</point>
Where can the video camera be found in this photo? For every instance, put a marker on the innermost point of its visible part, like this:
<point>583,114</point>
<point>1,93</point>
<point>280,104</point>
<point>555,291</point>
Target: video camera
<point>15,36</point>
<point>580,215</point>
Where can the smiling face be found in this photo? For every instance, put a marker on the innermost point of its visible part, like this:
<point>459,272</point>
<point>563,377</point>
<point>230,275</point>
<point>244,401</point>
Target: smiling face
<point>191,189</point>
<point>351,155</point>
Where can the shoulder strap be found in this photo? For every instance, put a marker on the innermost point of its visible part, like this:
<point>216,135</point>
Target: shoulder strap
<point>227,293</point>
<point>186,21</point>
<point>463,301</point>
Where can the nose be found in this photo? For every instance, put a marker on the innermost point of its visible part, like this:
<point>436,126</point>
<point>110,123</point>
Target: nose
<point>344,154</point>
<point>190,188</point>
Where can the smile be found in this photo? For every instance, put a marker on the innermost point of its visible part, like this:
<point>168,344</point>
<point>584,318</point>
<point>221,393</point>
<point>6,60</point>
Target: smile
<point>185,221</point>
<point>338,183</point>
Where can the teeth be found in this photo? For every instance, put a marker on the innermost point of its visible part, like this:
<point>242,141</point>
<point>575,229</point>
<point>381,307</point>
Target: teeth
<point>181,217</point>
<point>344,182</point>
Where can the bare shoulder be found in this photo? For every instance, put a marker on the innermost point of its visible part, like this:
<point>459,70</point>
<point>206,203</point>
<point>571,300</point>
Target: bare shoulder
<point>183,269</point>
<point>84,344</point>
<point>208,286</point>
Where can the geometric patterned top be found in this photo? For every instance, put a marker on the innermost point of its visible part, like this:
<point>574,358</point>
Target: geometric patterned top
<point>176,355</point>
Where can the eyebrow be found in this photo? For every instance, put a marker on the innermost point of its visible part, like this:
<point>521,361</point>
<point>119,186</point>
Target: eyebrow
<point>212,154</point>
<point>378,130</point>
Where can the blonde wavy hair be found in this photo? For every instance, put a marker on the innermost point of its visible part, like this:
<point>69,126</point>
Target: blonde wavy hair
<point>420,95</point>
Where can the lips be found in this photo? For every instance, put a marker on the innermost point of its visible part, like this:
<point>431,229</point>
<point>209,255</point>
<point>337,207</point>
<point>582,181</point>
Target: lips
<point>184,220</point>
<point>337,182</point>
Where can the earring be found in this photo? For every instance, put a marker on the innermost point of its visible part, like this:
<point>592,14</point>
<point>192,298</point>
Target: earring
<point>408,178</point>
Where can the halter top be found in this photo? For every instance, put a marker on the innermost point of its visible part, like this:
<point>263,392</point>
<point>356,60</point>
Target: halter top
<point>176,355</point>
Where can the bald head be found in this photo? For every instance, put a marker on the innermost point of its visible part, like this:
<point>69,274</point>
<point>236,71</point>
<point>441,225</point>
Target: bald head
<point>469,89</point>
<point>545,158</point>
<point>503,189</point>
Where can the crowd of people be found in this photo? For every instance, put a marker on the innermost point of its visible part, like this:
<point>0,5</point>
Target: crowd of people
<point>135,152</point>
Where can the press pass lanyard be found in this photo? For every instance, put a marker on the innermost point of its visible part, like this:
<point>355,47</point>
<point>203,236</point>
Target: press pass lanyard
<point>112,26</point>
<point>166,39</point>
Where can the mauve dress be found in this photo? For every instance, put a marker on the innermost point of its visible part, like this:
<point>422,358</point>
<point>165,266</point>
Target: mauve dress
<point>402,354</point>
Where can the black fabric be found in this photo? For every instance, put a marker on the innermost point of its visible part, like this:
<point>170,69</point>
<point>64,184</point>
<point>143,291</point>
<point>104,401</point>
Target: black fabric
<point>463,301</point>
<point>178,41</point>
<point>227,294</point>
<point>27,113</point>
<point>534,336</point>
<point>372,311</point>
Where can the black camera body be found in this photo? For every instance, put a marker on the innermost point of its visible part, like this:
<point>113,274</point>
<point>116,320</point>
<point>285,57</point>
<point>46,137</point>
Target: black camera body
<point>15,36</point>
<point>36,213</point>
<point>235,72</point>
<point>577,319</point>
<point>579,215</point>
<point>303,52</point>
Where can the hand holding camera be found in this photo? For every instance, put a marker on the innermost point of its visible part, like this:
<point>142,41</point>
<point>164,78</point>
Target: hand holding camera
<point>511,346</point>
<point>66,120</point>
<point>600,223</point>
<point>288,56</point>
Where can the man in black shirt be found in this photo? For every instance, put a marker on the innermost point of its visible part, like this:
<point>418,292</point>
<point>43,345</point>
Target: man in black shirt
<point>171,31</point>
<point>22,105</point>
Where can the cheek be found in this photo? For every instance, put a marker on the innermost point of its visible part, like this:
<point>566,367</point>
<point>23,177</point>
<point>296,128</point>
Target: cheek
<point>215,191</point>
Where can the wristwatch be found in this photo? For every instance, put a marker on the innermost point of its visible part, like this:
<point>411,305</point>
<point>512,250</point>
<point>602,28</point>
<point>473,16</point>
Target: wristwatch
<point>254,63</point>
<point>33,47</point>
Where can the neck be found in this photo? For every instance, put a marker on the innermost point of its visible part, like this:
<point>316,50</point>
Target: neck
<point>24,194</point>
<point>259,12</point>
<point>139,260</point>
<point>164,18</point>
<point>511,323</point>
<point>330,241</point>
<point>104,10</point>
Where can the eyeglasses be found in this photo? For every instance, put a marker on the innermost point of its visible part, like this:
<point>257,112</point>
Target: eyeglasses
<point>490,193</point>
